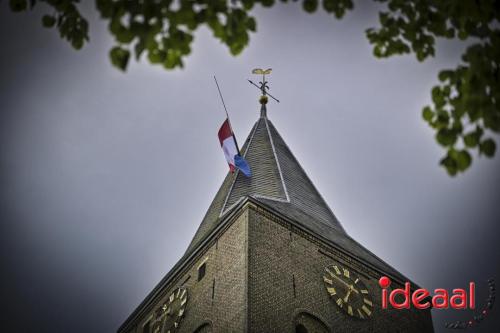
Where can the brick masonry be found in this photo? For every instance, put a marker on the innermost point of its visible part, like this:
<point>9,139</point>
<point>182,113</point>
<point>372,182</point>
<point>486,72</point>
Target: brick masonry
<point>265,275</point>
<point>286,286</point>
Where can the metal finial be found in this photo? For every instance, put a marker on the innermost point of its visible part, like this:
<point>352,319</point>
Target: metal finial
<point>263,87</point>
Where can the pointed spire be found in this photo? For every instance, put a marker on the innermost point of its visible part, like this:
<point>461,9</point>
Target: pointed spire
<point>277,181</point>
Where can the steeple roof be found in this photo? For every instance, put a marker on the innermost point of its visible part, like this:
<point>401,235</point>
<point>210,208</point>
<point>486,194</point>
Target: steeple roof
<point>279,183</point>
<point>277,180</point>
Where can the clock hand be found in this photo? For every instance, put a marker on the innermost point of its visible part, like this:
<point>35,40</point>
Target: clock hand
<point>346,298</point>
<point>350,287</point>
<point>353,289</point>
<point>339,279</point>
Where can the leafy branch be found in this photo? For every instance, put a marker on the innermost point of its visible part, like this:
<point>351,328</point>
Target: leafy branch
<point>464,112</point>
<point>465,103</point>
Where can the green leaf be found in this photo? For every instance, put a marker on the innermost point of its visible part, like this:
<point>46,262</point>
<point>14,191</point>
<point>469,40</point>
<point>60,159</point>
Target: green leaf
<point>248,4</point>
<point>77,43</point>
<point>310,6</point>
<point>457,126</point>
<point>450,164</point>
<point>251,24</point>
<point>124,36</point>
<point>267,3</point>
<point>488,147</point>
<point>157,56</point>
<point>48,21</point>
<point>420,55</point>
<point>172,60</point>
<point>427,114</point>
<point>444,75</point>
<point>329,6</point>
<point>105,7</point>
<point>236,48</point>
<point>446,137</point>
<point>18,5</point>
<point>377,51</point>
<point>471,140</point>
<point>139,48</point>
<point>119,57</point>
<point>437,96</point>
<point>463,160</point>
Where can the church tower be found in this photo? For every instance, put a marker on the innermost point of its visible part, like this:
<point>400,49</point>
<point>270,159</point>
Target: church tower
<point>270,256</point>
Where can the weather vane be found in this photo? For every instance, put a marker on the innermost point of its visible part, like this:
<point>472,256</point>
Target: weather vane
<point>263,84</point>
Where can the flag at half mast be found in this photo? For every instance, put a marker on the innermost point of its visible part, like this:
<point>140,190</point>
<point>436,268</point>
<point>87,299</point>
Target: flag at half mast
<point>231,151</point>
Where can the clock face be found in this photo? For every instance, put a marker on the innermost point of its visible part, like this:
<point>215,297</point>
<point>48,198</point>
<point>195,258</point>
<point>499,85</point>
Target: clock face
<point>174,309</point>
<point>348,291</point>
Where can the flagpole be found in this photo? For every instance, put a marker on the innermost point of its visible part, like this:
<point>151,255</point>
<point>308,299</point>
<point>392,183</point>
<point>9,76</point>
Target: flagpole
<point>227,115</point>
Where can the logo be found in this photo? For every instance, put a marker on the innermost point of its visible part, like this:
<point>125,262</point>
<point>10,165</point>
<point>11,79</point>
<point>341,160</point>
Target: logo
<point>440,299</point>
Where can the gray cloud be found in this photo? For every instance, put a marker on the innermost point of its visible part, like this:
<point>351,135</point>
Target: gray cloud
<point>105,176</point>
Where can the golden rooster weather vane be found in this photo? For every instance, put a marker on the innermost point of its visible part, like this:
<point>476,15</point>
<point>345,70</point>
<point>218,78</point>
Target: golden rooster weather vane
<point>263,84</point>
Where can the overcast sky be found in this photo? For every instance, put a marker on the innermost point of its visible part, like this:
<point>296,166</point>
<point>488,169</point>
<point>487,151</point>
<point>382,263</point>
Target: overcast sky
<point>106,176</point>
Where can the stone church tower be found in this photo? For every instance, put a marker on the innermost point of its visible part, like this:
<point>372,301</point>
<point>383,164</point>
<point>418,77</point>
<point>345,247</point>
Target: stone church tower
<point>270,256</point>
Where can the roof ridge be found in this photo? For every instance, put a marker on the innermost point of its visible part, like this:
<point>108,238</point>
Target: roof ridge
<point>307,177</point>
<point>277,160</point>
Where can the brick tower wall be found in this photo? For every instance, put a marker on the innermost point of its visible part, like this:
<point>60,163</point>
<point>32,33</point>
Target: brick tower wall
<point>216,303</point>
<point>264,275</point>
<point>285,287</point>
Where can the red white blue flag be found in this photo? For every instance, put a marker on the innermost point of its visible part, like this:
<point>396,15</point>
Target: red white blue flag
<point>231,152</point>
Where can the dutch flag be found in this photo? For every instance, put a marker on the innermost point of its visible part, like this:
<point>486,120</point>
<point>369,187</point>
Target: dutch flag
<point>231,152</point>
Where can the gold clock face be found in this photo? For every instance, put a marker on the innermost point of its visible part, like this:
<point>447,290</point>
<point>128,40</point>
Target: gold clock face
<point>174,310</point>
<point>348,291</point>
